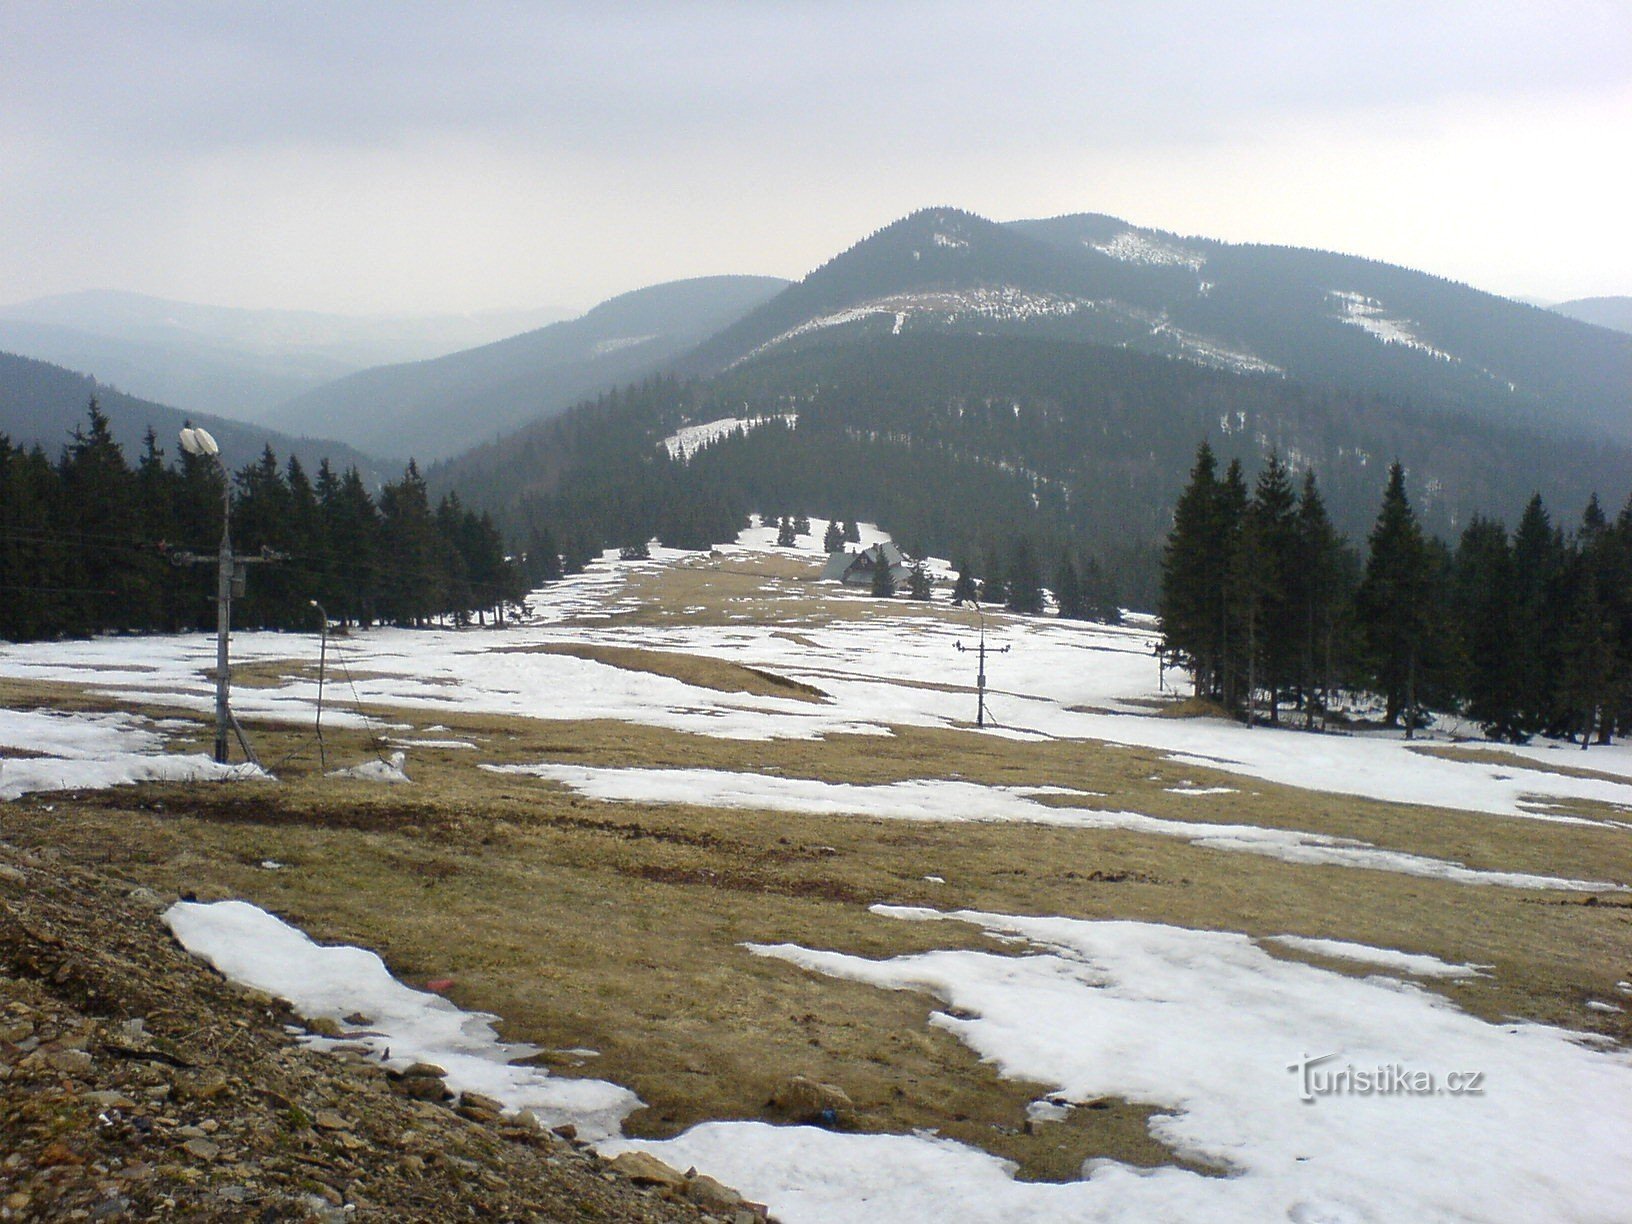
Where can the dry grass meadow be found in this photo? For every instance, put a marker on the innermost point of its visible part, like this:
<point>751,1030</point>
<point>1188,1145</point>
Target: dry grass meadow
<point>618,927</point>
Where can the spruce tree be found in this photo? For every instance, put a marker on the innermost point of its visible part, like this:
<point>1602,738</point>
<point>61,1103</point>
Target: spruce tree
<point>919,586</point>
<point>98,491</point>
<point>1267,564</point>
<point>786,535</point>
<point>883,580</point>
<point>1538,565</point>
<point>1485,614</point>
<point>1068,592</point>
<point>1393,604</point>
<point>1025,585</point>
<point>1319,593</point>
<point>833,537</point>
<point>1193,577</point>
<point>852,532</point>
<point>963,589</point>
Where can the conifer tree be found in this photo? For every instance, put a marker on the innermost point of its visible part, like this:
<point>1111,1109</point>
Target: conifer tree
<point>963,589</point>
<point>883,580</point>
<point>1025,584</point>
<point>1485,614</point>
<point>1538,567</point>
<point>919,586</point>
<point>1266,571</point>
<point>1319,594</point>
<point>852,532</point>
<point>1068,592</point>
<point>1100,598</point>
<point>1193,577</point>
<point>786,535</point>
<point>833,537</point>
<point>411,572</point>
<point>1393,603</point>
<point>98,489</point>
<point>1230,513</point>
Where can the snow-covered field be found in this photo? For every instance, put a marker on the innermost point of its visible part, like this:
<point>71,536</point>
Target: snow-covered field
<point>1394,1105</point>
<point>1203,1024</point>
<point>1224,1034</point>
<point>1060,680</point>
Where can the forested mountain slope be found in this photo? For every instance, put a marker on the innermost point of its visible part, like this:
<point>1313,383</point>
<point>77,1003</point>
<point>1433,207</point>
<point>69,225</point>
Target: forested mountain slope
<point>231,361</point>
<point>960,444</point>
<point>43,404</point>
<point>1313,316</point>
<point>433,409</point>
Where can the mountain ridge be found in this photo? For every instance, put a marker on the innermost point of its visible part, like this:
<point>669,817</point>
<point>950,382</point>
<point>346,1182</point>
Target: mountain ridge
<point>42,404</point>
<point>436,406</point>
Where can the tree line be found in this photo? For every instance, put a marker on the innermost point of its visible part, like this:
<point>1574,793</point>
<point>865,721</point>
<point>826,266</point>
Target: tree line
<point>88,541</point>
<point>1525,632</point>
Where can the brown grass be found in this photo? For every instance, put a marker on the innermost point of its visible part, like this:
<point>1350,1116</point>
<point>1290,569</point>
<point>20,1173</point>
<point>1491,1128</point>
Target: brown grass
<point>699,670</point>
<point>620,926</point>
<point>1497,756</point>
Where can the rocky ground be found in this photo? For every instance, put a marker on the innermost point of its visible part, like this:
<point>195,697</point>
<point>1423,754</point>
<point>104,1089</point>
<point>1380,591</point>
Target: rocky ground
<point>136,1084</point>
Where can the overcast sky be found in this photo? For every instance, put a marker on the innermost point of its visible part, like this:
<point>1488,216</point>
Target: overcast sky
<point>417,158</point>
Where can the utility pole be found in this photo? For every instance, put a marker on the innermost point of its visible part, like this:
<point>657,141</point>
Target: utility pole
<point>980,675</point>
<point>231,574</point>
<point>322,662</point>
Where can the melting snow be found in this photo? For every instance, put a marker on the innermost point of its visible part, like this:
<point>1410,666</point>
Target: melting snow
<point>388,770</point>
<point>1213,1031</point>
<point>405,1026</point>
<point>82,751</point>
<point>1417,963</point>
<point>940,800</point>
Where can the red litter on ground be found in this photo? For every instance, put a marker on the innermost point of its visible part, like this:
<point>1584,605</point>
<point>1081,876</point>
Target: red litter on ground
<point>439,985</point>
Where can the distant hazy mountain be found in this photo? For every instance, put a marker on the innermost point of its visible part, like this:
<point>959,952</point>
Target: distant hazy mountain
<point>433,409</point>
<point>43,404</point>
<point>1283,311</point>
<point>233,362</point>
<point>1612,312</point>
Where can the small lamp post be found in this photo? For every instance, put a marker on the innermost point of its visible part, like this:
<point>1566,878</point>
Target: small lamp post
<point>199,442</point>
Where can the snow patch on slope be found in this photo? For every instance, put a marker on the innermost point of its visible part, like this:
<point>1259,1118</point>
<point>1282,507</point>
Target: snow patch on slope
<point>1371,316</point>
<point>405,1026</point>
<point>1130,246</point>
<point>83,751</point>
<point>686,442</point>
<point>936,800</point>
<point>603,347</point>
<point>1076,1009</point>
<point>999,303</point>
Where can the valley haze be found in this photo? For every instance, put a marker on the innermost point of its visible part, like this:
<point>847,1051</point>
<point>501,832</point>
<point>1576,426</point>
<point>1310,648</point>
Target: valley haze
<point>800,613</point>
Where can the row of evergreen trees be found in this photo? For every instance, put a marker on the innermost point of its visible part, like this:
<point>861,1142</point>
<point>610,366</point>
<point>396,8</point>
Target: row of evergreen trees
<point>87,541</point>
<point>1526,633</point>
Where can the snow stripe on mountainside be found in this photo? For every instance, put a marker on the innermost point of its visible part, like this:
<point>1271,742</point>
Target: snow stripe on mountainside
<point>1369,315</point>
<point>1132,247</point>
<point>1005,303</point>
<point>687,441</point>
<point>405,1026</point>
<point>1254,1065</point>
